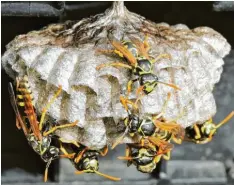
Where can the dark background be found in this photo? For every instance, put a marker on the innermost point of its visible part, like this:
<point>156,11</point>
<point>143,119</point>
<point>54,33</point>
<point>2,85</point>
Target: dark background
<point>22,17</point>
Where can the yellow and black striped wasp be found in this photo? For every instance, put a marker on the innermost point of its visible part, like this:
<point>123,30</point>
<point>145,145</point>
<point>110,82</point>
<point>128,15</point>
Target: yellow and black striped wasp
<point>145,159</point>
<point>154,131</point>
<point>37,132</point>
<point>203,133</point>
<point>140,63</point>
<point>85,160</point>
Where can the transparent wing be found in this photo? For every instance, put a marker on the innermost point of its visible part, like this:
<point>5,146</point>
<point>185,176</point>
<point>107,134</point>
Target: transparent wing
<point>164,146</point>
<point>172,127</point>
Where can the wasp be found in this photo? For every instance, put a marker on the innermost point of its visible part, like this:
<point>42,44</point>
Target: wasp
<point>85,160</point>
<point>145,159</point>
<point>154,130</point>
<point>136,54</point>
<point>37,133</point>
<point>203,133</point>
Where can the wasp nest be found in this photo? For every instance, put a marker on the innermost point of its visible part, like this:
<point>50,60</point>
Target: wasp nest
<point>65,54</point>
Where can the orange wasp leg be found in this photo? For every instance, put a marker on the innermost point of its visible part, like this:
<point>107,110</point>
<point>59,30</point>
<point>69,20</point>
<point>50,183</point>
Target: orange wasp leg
<point>146,43</point>
<point>167,156</point>
<point>66,154</point>
<point>47,107</point>
<point>157,158</point>
<point>114,64</point>
<point>176,140</point>
<point>104,152</point>
<point>197,132</point>
<point>69,141</point>
<point>124,101</point>
<point>129,85</point>
<point>127,154</point>
<point>78,158</point>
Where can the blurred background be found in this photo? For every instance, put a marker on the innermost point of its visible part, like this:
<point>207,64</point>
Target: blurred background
<point>212,163</point>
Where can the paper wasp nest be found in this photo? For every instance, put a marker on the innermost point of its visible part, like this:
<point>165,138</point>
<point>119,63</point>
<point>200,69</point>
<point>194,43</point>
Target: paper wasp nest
<point>65,54</point>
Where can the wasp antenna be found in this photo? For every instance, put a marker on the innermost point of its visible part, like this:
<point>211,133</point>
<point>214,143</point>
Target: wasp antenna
<point>108,176</point>
<point>229,116</point>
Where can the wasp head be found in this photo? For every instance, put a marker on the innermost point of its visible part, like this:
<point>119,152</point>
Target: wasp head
<point>149,81</point>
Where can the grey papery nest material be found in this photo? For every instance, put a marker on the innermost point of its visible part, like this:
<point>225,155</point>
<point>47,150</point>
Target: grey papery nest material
<point>65,54</point>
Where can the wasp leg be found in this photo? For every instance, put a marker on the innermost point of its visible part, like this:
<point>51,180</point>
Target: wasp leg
<point>66,154</point>
<point>157,158</point>
<point>164,55</point>
<point>139,94</point>
<point>129,86</point>
<point>142,142</point>
<point>125,101</point>
<point>167,156</point>
<point>48,105</point>
<point>58,127</point>
<point>127,154</point>
<point>78,158</point>
<point>114,64</point>
<point>69,141</point>
<point>197,132</point>
<point>17,124</point>
<point>127,150</point>
<point>176,140</point>
<point>104,152</point>
<point>146,43</point>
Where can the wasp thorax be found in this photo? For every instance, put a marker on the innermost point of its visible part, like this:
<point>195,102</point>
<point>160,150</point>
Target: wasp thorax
<point>133,123</point>
<point>144,66</point>
<point>51,153</point>
<point>33,143</point>
<point>88,164</point>
<point>131,47</point>
<point>149,81</point>
<point>147,127</point>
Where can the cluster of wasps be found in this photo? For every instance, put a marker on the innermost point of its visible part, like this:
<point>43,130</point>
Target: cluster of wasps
<point>155,132</point>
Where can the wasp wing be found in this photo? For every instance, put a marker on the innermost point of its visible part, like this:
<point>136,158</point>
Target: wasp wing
<point>140,46</point>
<point>163,145</point>
<point>15,107</point>
<point>126,53</point>
<point>172,127</point>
